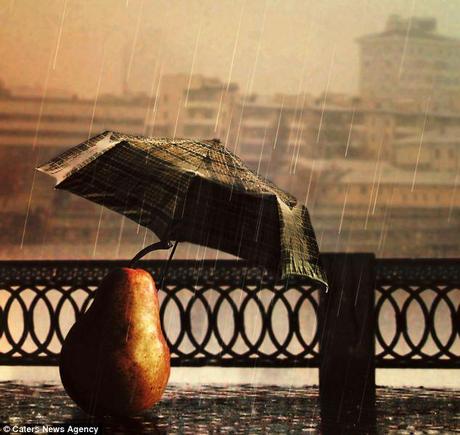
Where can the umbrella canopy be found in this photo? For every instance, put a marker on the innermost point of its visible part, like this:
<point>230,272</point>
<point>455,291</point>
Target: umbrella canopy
<point>193,191</point>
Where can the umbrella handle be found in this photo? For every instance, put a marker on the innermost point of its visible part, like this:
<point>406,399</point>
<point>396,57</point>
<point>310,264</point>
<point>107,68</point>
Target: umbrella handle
<point>162,244</point>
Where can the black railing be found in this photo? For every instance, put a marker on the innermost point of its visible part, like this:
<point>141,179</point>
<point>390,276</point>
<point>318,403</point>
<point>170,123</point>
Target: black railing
<point>419,302</point>
<point>213,313</point>
<point>267,323</point>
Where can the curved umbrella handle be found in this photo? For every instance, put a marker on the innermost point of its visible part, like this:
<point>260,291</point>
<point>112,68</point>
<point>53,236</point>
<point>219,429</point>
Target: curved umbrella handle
<point>162,244</point>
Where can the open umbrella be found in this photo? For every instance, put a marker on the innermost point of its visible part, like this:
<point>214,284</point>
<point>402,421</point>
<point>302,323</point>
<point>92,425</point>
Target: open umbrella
<point>194,191</point>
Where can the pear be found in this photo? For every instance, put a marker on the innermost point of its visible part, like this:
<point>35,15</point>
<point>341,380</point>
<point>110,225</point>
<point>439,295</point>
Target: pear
<point>115,360</point>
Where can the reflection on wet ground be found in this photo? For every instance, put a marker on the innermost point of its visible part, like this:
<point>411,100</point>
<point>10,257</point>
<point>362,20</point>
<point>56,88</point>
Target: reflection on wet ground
<point>232,409</point>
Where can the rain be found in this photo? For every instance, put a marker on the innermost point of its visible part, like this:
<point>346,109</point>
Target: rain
<point>302,92</point>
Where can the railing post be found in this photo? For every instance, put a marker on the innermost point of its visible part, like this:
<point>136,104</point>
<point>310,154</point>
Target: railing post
<point>347,349</point>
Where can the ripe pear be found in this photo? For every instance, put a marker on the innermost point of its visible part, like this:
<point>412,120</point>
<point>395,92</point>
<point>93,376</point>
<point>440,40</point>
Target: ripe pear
<point>115,360</point>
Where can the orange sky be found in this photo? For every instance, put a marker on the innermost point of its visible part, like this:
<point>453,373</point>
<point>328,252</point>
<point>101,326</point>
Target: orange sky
<point>275,45</point>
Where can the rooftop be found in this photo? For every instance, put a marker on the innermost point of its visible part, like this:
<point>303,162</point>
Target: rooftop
<point>413,27</point>
<point>445,136</point>
<point>346,171</point>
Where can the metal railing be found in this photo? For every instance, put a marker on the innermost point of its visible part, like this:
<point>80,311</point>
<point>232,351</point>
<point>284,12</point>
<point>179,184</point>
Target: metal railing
<point>231,315</point>
<point>212,313</point>
<point>419,300</point>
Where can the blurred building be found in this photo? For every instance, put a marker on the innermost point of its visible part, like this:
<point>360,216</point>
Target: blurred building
<point>257,134</point>
<point>409,59</point>
<point>196,107</point>
<point>358,128</point>
<point>437,150</point>
<point>209,109</point>
<point>378,170</point>
<point>35,127</point>
<point>372,206</point>
<point>200,107</point>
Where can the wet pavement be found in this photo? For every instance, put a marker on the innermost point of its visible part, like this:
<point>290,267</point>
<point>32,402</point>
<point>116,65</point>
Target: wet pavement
<point>227,409</point>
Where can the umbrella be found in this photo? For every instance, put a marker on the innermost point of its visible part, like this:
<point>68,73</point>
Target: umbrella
<point>193,191</point>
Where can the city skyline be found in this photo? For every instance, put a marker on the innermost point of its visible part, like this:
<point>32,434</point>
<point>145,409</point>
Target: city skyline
<point>370,168</point>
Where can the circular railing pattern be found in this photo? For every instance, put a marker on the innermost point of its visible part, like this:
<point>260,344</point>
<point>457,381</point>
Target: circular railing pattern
<point>209,316</point>
<point>417,312</point>
<point>422,325</point>
<point>225,313</point>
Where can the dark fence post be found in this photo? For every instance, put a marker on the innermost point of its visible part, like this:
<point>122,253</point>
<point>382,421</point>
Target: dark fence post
<point>347,349</point>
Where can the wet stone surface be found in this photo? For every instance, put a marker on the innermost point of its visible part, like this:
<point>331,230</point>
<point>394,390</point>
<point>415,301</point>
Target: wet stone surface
<point>231,409</point>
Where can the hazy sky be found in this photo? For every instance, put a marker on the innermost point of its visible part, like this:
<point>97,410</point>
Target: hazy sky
<point>265,46</point>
